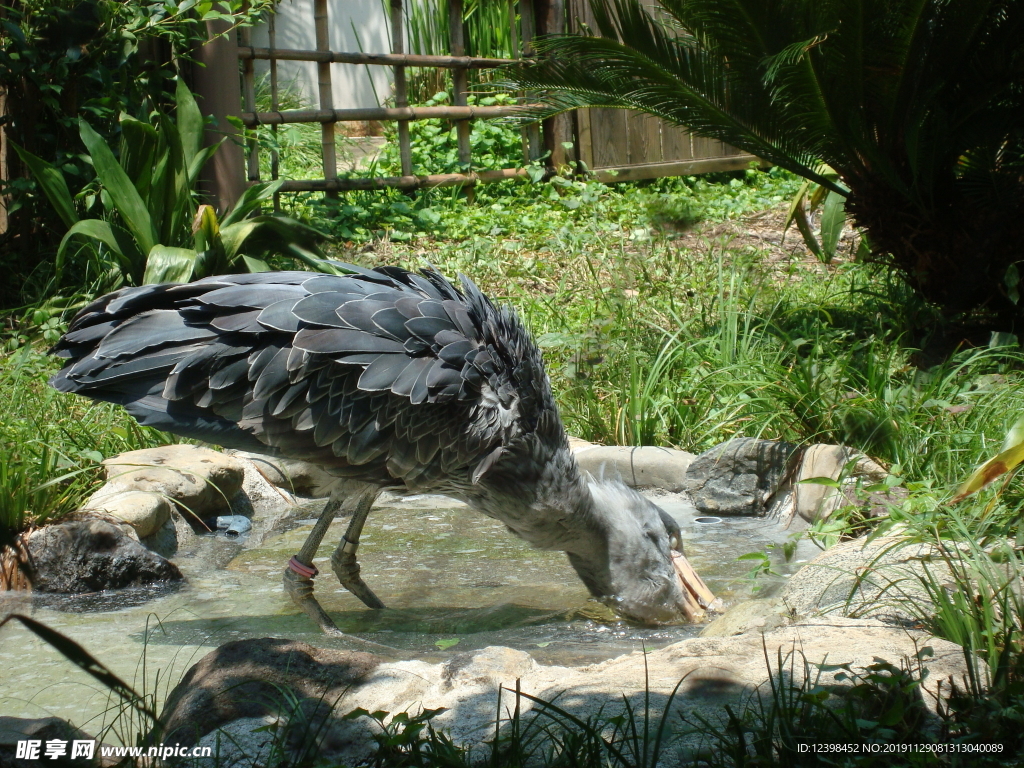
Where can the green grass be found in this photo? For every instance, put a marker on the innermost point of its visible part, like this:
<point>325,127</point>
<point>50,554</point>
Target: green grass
<point>51,444</point>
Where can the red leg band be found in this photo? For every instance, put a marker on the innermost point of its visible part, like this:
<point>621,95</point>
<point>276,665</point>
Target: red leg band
<point>305,571</point>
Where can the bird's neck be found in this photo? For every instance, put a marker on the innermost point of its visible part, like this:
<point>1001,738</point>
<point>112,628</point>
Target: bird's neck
<point>540,494</point>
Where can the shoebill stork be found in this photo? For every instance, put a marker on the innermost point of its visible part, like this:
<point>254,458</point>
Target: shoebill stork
<point>395,380</point>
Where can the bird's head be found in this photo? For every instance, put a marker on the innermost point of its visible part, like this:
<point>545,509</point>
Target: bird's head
<point>634,573</point>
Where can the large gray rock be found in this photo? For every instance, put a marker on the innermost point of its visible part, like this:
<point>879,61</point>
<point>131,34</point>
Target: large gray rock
<point>743,476</point>
<point>259,678</point>
<point>90,556</point>
<point>714,671</point>
<point>763,615</point>
<point>201,481</point>
<point>638,467</point>
<point>815,501</point>
<point>878,578</point>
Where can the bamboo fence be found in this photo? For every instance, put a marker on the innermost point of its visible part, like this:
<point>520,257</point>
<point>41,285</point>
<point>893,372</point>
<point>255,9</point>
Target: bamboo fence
<point>460,111</point>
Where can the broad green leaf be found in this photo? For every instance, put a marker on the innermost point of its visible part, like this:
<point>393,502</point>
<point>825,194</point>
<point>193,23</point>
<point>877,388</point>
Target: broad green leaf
<point>1007,460</point>
<point>53,184</point>
<point>190,123</point>
<point>826,481</point>
<point>211,258</point>
<point>1015,436</point>
<point>161,191</point>
<point>122,192</point>
<point>195,167</point>
<point>169,265</point>
<point>267,234</point>
<point>796,204</point>
<point>1011,279</point>
<point>179,206</point>
<point>96,229</point>
<point>233,236</point>
<point>256,265</point>
<point>313,260</point>
<point>250,199</point>
<point>138,153</point>
<point>445,643</point>
<point>833,219</point>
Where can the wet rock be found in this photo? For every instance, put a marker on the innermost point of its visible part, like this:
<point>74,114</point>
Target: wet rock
<point>242,743</point>
<point>90,556</point>
<point>145,512</point>
<point>488,667</point>
<point>200,480</point>
<point>743,476</point>
<point>637,467</point>
<point>814,502</point>
<point>715,671</point>
<point>250,678</point>
<point>763,615</point>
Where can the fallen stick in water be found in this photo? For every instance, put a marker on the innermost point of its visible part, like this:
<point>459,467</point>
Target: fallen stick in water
<point>697,598</point>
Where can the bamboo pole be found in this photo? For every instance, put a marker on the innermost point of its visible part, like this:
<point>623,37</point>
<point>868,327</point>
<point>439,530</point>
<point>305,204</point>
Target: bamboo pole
<point>404,182</point>
<point>380,59</point>
<point>402,114</point>
<point>529,31</point>
<point>401,100</point>
<point>326,91</point>
<point>275,158</point>
<point>518,54</point>
<point>249,99</point>
<point>556,131</point>
<point>460,85</point>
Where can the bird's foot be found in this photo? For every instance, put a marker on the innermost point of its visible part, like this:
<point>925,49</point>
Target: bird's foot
<point>347,570</point>
<point>299,586</point>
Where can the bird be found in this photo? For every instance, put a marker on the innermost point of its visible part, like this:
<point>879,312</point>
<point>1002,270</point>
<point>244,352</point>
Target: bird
<point>389,379</point>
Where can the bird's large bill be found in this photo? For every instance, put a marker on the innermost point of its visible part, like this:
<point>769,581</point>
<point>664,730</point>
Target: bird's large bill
<point>697,598</point>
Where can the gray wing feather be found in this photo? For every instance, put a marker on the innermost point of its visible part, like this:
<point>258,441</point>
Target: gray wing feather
<point>378,374</point>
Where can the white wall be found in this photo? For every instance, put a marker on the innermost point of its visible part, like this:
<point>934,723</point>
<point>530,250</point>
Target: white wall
<point>353,86</point>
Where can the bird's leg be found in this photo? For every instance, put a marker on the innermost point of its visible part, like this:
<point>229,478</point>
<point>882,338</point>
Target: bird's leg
<point>298,577</point>
<point>344,558</point>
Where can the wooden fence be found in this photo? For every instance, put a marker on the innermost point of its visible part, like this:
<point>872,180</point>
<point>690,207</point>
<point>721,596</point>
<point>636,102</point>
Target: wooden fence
<point>616,145</point>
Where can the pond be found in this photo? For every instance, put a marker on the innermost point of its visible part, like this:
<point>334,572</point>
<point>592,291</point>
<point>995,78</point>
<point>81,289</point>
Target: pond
<point>453,580</point>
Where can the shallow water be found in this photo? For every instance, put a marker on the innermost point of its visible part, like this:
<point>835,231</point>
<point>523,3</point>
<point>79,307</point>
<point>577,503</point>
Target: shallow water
<point>453,581</point>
